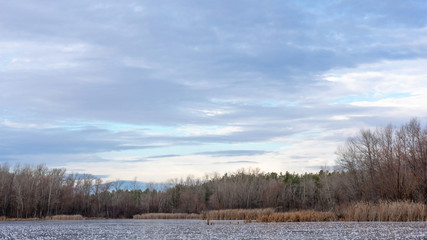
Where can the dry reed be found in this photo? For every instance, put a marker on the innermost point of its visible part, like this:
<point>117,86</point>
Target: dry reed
<point>387,211</point>
<point>299,216</point>
<point>236,214</point>
<point>21,219</point>
<point>167,216</point>
<point>65,217</point>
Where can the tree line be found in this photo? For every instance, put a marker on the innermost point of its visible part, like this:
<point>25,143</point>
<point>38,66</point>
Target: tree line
<point>383,164</point>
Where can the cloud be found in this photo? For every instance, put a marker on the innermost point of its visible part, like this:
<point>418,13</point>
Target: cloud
<point>237,162</point>
<point>84,175</point>
<point>233,153</point>
<point>17,141</point>
<point>127,82</point>
<point>165,156</point>
<point>395,87</point>
<point>324,168</point>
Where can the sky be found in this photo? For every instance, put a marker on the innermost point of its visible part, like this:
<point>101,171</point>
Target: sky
<point>154,90</point>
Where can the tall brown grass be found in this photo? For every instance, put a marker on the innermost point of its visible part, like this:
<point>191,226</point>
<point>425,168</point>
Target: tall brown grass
<point>299,216</point>
<point>236,214</point>
<point>167,216</point>
<point>359,211</point>
<point>23,219</point>
<point>65,217</point>
<point>56,217</point>
<point>387,211</point>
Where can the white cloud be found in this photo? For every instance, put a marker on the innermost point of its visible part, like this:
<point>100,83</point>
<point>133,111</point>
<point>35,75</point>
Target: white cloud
<point>195,130</point>
<point>340,117</point>
<point>214,112</point>
<point>38,55</point>
<point>18,125</point>
<point>384,79</point>
<point>25,125</point>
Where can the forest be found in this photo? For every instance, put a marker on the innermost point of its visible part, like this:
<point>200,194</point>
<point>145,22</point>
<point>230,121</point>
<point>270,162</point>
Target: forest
<point>385,164</point>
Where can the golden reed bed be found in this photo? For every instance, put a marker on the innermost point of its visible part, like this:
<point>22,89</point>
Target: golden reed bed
<point>167,216</point>
<point>236,214</point>
<point>299,216</point>
<point>359,211</point>
<point>387,211</point>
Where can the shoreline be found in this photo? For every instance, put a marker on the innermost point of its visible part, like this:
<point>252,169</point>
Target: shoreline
<point>403,211</point>
<point>203,220</point>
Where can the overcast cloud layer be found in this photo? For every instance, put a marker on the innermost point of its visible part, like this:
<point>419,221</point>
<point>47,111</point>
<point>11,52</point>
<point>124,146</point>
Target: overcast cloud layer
<point>163,89</point>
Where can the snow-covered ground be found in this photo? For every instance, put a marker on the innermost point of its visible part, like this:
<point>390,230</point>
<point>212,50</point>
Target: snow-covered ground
<point>197,229</point>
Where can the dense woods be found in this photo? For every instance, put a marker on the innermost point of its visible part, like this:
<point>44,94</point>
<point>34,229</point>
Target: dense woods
<point>375,165</point>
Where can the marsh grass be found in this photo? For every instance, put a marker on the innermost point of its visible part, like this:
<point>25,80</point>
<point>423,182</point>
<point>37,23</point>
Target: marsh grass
<point>236,214</point>
<point>360,211</point>
<point>167,216</point>
<point>299,216</point>
<point>65,217</point>
<point>400,211</point>
<point>2,218</point>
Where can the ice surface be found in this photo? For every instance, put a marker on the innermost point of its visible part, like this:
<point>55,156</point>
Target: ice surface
<point>197,229</point>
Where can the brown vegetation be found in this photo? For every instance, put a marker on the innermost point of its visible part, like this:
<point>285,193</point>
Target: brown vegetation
<point>56,217</point>
<point>299,216</point>
<point>167,216</point>
<point>19,219</point>
<point>268,215</point>
<point>65,217</point>
<point>236,214</point>
<point>401,211</point>
<point>387,211</point>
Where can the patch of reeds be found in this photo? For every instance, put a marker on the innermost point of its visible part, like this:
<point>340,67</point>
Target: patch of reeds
<point>236,214</point>
<point>19,219</point>
<point>65,217</point>
<point>299,216</point>
<point>2,218</point>
<point>401,211</point>
<point>167,216</point>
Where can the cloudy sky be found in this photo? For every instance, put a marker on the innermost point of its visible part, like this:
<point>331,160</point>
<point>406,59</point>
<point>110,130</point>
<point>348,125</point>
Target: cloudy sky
<point>163,89</point>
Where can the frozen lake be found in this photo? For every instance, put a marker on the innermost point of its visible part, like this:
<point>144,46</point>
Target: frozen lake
<point>197,229</point>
